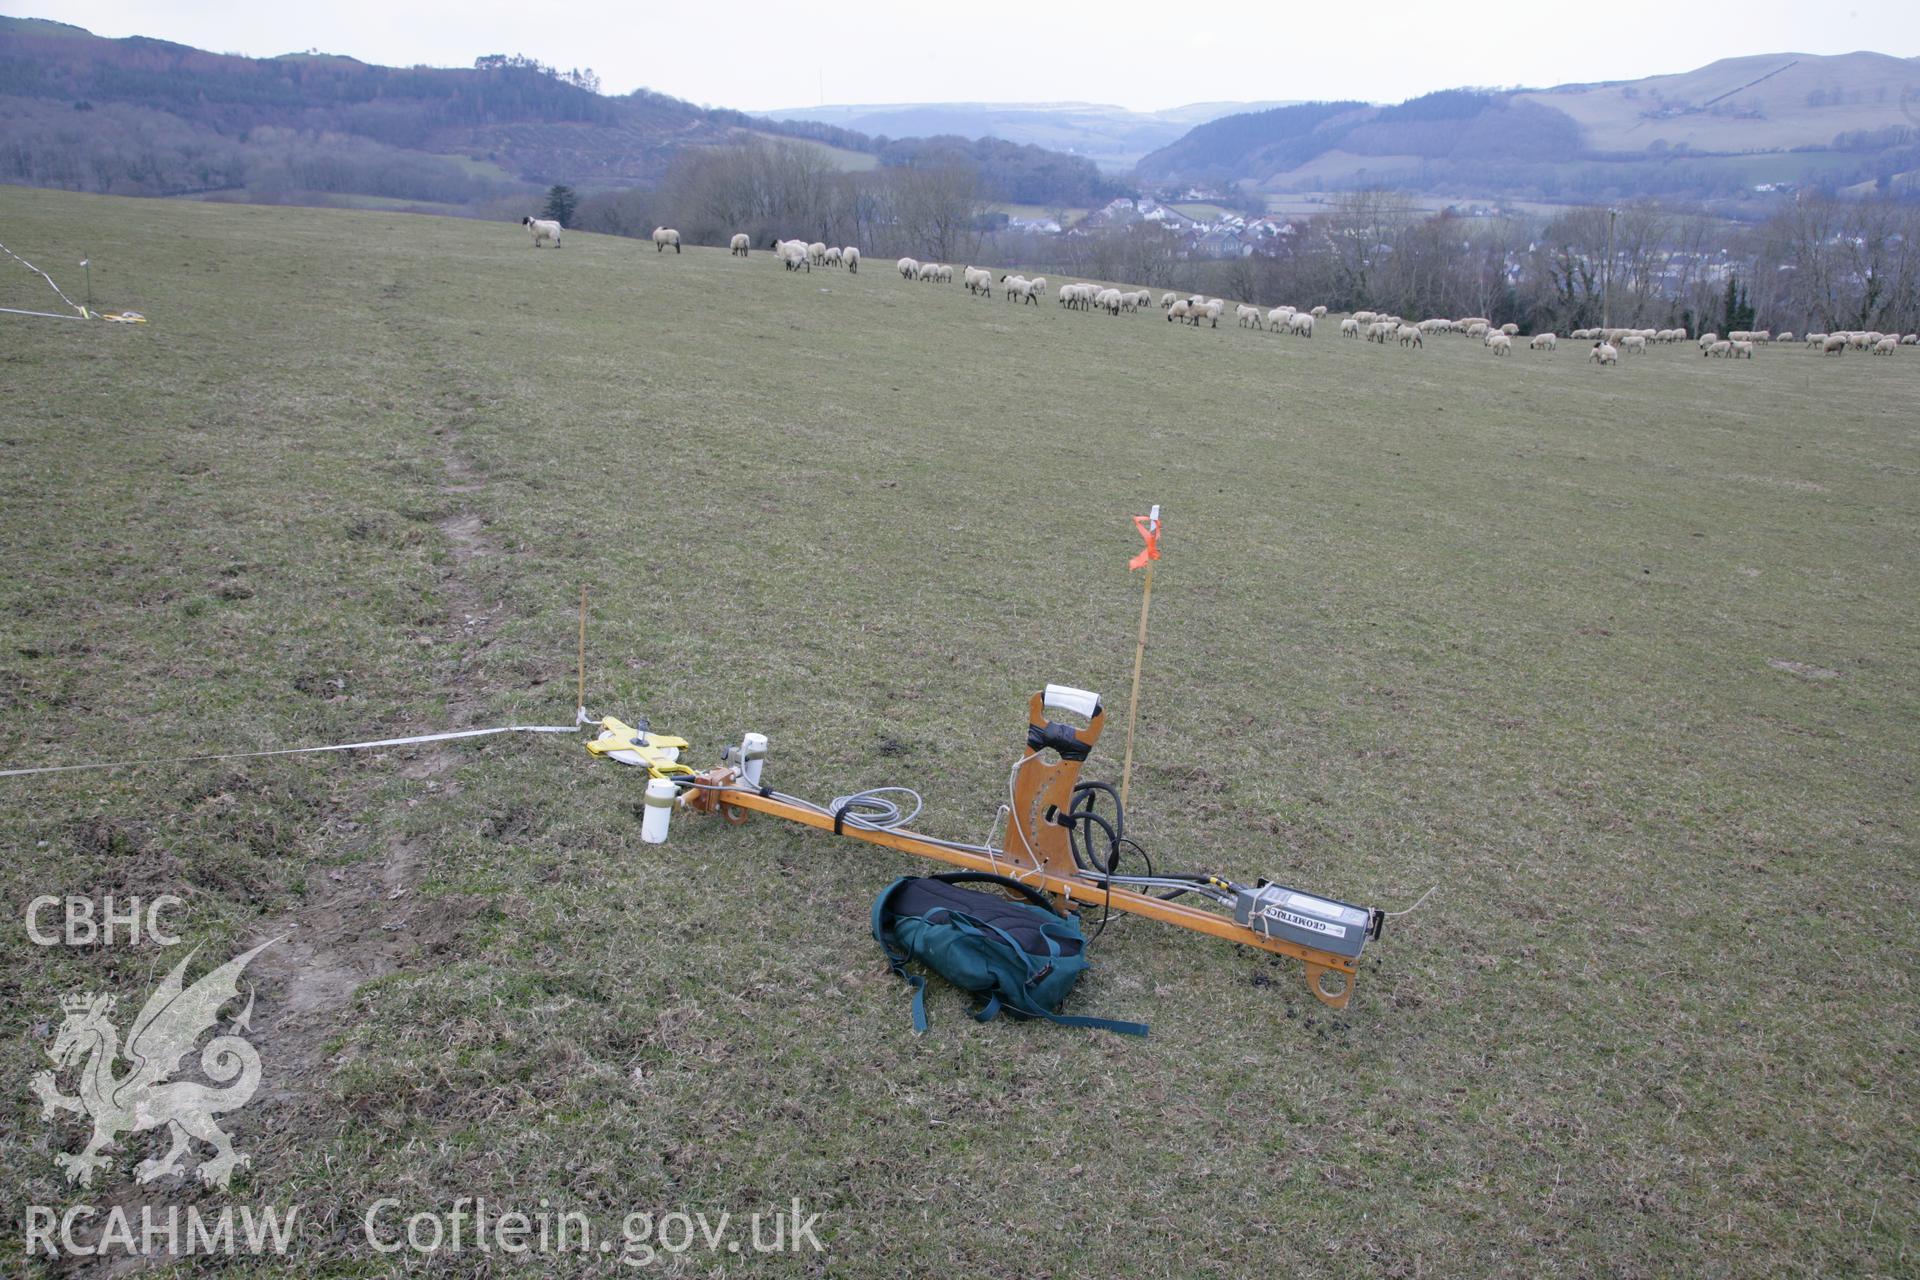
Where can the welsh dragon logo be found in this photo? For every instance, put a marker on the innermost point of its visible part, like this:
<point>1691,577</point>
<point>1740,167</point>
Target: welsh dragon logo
<point>169,1025</point>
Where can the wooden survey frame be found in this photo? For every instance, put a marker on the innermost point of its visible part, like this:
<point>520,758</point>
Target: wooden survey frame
<point>1036,851</point>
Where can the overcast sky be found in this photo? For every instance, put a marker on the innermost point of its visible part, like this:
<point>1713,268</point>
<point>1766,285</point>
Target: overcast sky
<point>1143,54</point>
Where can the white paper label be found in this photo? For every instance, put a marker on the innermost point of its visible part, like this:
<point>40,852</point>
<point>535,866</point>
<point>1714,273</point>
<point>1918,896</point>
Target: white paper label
<point>1305,922</point>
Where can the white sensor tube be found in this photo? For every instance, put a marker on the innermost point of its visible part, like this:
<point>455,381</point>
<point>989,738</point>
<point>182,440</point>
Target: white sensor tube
<point>753,756</point>
<point>1060,697</point>
<point>659,807</point>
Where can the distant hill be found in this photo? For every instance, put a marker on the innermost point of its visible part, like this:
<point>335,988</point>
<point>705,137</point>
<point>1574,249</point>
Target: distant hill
<point>139,116</point>
<point>1720,131</point>
<point>1112,137</point>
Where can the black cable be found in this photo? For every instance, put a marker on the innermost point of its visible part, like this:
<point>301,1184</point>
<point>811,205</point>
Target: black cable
<point>1081,818</point>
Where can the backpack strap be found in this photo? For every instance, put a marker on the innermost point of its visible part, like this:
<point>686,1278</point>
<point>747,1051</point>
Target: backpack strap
<point>1103,1024</point>
<point>1027,891</point>
<point>897,961</point>
<point>1035,969</point>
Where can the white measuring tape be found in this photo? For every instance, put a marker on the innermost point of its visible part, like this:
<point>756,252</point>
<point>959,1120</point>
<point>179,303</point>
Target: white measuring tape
<point>295,751</point>
<point>49,279</point>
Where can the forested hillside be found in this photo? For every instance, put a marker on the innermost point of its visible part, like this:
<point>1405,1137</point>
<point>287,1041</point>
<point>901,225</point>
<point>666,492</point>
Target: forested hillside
<point>139,116</point>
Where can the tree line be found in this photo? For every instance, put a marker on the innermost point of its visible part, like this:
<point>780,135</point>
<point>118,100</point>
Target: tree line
<point>1821,263</point>
<point>796,191</point>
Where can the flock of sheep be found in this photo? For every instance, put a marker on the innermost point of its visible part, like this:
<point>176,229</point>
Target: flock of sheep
<point>799,255</point>
<point>1608,343</point>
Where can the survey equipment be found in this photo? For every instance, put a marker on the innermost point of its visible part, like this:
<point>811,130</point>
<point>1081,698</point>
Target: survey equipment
<point>1064,837</point>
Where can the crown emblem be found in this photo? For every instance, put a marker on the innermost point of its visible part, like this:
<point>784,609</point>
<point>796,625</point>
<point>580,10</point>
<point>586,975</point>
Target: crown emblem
<point>78,1002</point>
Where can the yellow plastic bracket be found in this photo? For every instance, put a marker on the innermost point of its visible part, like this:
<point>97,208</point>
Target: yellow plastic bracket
<point>657,753</point>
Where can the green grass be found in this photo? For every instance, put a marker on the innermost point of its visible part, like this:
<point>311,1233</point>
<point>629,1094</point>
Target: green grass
<point>846,161</point>
<point>1037,212</point>
<point>1200,212</point>
<point>1507,627</point>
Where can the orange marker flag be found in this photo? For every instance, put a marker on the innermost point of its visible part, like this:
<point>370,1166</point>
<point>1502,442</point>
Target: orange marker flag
<point>1149,527</point>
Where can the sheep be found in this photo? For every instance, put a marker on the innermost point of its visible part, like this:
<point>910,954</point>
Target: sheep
<point>1318,312</point>
<point>1301,323</point>
<point>1409,335</point>
<point>1180,309</point>
<point>1167,300</point>
<point>832,257</point>
<point>1477,329</point>
<point>1634,344</point>
<point>738,246</point>
<point>1580,335</point>
<point>1886,345</point>
<point>1604,354</point>
<point>851,256</point>
<point>1500,344</point>
<point>1379,331</point>
<point>1022,288</point>
<point>978,280</point>
<point>1910,339</point>
<point>908,268</point>
<point>664,236</point>
<point>1543,342</point>
<point>1786,335</point>
<point>1815,339</point>
<point>793,253</point>
<point>1364,317</point>
<point>1742,348</point>
<point>946,274</point>
<point>1708,338</point>
<point>1249,317</point>
<point>1279,318</point>
<point>1834,344</point>
<point>1350,328</point>
<point>1719,349</point>
<point>543,229</point>
<point>926,271</point>
<point>1511,330</point>
<point>817,254</point>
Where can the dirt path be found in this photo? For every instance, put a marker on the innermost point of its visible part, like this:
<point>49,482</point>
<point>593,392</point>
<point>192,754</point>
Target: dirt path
<point>368,921</point>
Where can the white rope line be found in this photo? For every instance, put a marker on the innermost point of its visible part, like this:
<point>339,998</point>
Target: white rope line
<point>49,279</point>
<point>293,751</point>
<point>50,315</point>
<point>1403,911</point>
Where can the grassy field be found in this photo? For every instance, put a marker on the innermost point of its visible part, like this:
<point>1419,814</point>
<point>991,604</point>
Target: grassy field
<point>1624,661</point>
<point>844,160</point>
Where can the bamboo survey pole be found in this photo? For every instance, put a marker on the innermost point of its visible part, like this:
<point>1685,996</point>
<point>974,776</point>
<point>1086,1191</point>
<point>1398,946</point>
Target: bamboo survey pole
<point>580,706</point>
<point>1149,526</point>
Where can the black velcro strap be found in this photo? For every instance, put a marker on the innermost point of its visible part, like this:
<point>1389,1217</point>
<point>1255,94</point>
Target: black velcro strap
<point>1060,737</point>
<point>840,818</point>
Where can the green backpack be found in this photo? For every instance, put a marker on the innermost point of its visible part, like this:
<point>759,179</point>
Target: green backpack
<point>1023,956</point>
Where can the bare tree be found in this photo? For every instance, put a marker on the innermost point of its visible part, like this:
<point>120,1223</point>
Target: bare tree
<point>1361,231</point>
<point>938,209</point>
